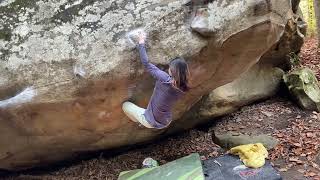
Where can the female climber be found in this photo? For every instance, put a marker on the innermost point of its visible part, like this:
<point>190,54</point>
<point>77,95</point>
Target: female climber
<point>168,89</point>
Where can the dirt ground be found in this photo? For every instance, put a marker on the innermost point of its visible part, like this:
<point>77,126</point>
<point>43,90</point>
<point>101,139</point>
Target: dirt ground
<point>270,117</point>
<point>296,156</point>
<point>298,133</point>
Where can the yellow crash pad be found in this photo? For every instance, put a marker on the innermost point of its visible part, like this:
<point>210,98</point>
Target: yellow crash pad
<point>252,155</point>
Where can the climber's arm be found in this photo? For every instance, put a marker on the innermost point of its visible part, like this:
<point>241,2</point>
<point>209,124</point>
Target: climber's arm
<point>151,68</point>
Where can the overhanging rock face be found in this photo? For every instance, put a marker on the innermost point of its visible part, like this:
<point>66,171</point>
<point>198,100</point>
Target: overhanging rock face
<point>66,67</point>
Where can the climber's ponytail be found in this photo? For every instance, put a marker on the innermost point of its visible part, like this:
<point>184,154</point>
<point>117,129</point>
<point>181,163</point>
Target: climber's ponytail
<point>180,73</point>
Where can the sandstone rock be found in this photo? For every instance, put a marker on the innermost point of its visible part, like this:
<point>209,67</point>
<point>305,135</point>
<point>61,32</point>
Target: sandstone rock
<point>230,140</point>
<point>290,42</point>
<point>200,23</point>
<point>56,112</point>
<point>260,82</point>
<point>304,87</point>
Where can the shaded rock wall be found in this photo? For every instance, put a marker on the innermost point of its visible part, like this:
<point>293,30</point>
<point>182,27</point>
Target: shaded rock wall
<point>260,82</point>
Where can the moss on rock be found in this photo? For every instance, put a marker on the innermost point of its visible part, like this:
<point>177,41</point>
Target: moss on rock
<point>304,87</point>
<point>5,34</point>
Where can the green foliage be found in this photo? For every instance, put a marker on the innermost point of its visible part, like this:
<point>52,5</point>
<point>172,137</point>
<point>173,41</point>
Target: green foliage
<point>294,59</point>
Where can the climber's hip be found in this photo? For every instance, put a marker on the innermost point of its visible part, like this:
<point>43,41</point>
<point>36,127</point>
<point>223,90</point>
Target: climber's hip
<point>135,113</point>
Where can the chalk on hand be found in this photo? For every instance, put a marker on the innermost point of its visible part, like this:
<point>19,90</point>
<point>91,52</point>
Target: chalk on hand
<point>133,36</point>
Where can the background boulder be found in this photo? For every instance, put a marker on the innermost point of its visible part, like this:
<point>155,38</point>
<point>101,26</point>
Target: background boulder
<point>304,88</point>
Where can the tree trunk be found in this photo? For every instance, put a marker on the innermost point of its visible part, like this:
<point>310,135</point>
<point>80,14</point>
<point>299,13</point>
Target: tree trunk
<point>311,19</point>
<point>317,15</point>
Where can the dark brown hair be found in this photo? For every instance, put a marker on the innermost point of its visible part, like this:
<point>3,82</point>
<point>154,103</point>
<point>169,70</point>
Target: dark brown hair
<point>180,73</point>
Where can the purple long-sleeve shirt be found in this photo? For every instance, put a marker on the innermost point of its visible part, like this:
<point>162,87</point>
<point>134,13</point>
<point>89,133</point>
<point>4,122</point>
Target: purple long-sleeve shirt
<point>158,112</point>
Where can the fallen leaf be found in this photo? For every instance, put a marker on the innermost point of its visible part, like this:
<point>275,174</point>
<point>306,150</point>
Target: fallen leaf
<point>302,171</point>
<point>294,159</point>
<point>279,135</point>
<point>309,135</point>
<point>314,165</point>
<point>310,174</point>
<point>300,162</point>
<point>297,144</point>
<point>268,114</point>
<point>283,170</point>
<point>290,165</point>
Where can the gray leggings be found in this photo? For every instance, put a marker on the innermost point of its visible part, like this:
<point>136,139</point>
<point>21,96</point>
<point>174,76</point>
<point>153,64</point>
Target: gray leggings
<point>135,113</point>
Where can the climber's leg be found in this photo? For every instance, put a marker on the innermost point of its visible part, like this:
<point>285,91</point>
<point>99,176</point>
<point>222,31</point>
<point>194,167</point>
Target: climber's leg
<point>142,120</point>
<point>135,113</point>
<point>130,110</point>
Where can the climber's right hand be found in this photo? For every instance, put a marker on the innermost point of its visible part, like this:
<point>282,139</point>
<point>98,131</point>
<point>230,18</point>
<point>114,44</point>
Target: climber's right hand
<point>141,38</point>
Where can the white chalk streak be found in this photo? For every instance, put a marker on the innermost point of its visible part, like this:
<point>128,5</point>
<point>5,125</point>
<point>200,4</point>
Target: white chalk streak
<point>6,2</point>
<point>23,97</point>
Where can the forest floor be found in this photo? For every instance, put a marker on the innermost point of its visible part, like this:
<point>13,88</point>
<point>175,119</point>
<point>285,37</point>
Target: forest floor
<point>310,56</point>
<point>297,156</point>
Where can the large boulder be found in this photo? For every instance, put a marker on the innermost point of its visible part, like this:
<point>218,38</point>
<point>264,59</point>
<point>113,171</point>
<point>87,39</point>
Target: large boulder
<point>304,88</point>
<point>66,67</point>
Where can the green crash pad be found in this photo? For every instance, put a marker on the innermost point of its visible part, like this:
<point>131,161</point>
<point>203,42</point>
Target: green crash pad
<point>188,167</point>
